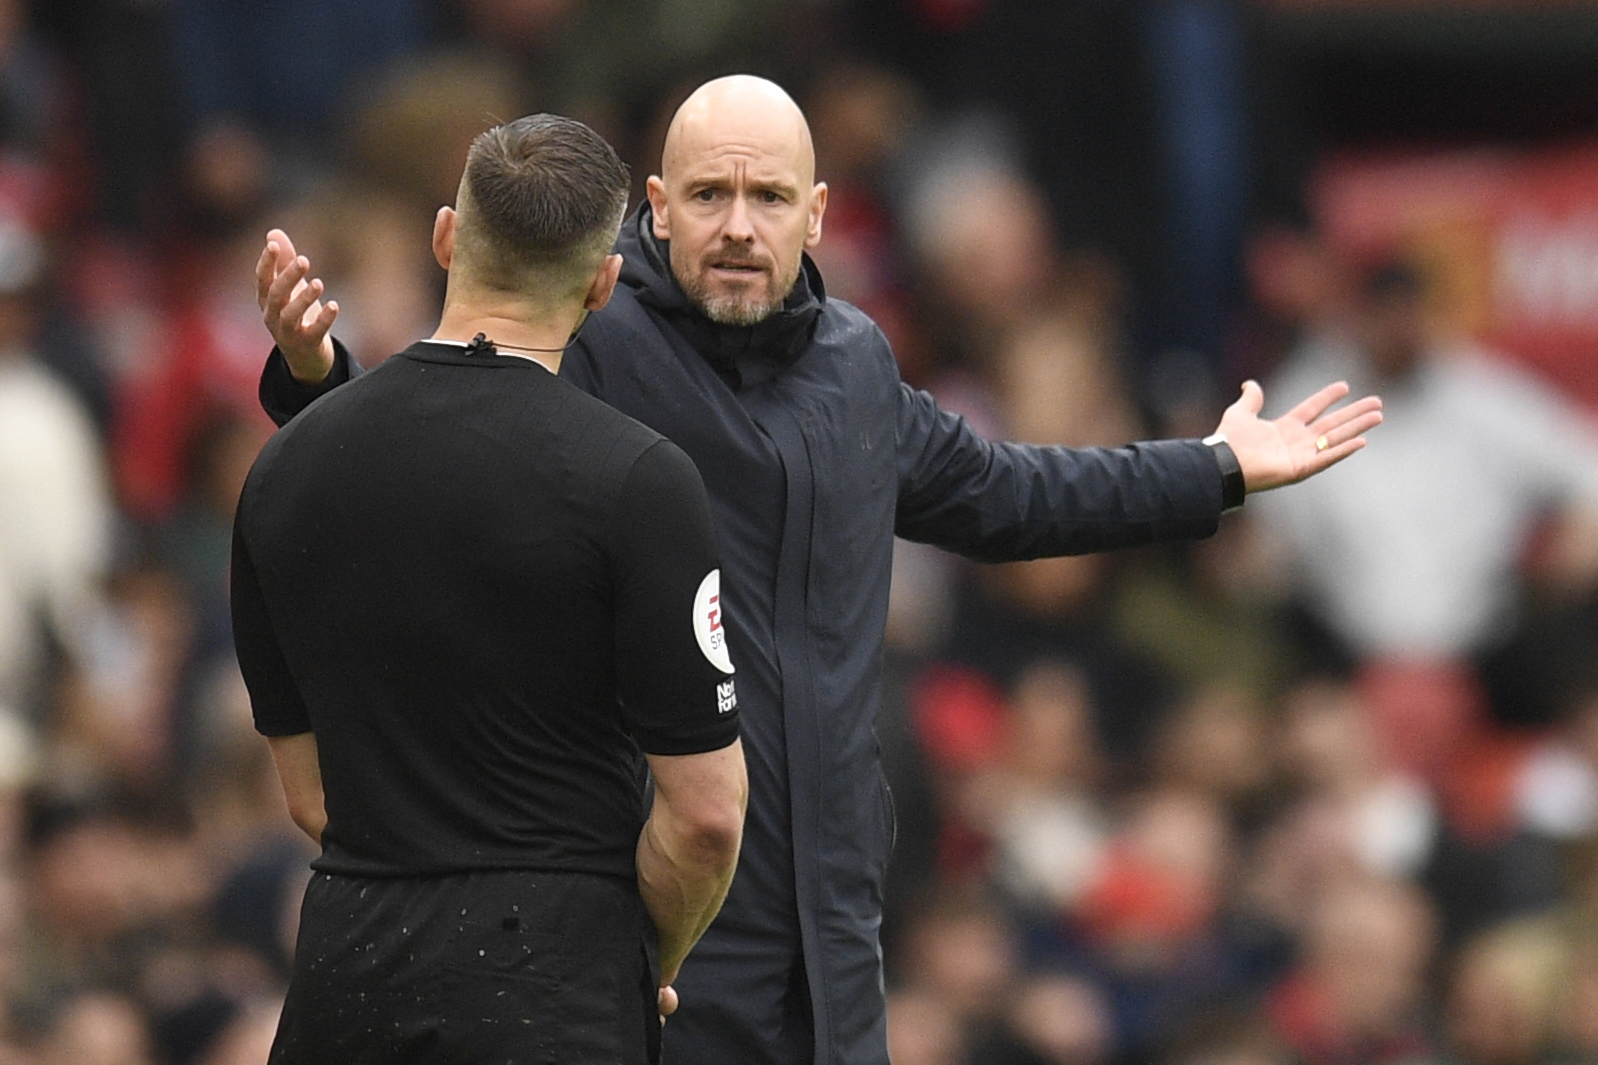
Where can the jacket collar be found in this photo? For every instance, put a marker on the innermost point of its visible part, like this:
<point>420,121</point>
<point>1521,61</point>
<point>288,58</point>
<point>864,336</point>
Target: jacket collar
<point>744,354</point>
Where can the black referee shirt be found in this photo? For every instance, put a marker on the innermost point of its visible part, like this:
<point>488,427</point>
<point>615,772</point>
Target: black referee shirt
<point>485,592</point>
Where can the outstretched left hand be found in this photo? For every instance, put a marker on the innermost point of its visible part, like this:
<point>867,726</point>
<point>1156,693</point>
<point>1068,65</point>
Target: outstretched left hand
<point>1302,442</point>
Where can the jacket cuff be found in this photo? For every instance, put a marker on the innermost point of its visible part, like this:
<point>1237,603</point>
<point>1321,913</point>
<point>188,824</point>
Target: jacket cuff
<point>282,397</point>
<point>1233,488</point>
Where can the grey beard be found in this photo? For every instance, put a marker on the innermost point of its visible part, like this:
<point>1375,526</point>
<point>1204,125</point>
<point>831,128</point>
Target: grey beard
<point>733,310</point>
<point>730,310</point>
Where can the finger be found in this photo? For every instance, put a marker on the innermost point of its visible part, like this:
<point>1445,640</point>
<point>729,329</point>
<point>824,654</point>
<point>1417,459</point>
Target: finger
<point>1316,405</point>
<point>304,305</point>
<point>322,324</point>
<point>1253,397</point>
<point>1340,417</point>
<point>286,253</point>
<point>1345,429</point>
<point>1334,454</point>
<point>667,1002</point>
<point>283,288</point>
<point>265,272</point>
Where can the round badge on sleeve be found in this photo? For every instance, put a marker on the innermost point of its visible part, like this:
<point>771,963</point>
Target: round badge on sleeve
<point>708,630</point>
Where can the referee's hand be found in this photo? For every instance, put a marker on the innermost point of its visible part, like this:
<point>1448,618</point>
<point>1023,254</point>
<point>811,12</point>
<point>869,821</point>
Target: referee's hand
<point>291,306</point>
<point>667,1000</point>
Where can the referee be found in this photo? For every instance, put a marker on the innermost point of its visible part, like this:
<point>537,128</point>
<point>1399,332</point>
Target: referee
<point>473,605</point>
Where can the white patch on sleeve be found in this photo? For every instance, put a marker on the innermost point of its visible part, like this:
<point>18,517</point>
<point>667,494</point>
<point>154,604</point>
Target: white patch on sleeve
<point>708,629</point>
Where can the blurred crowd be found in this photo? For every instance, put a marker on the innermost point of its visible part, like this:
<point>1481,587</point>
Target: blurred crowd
<point>1322,790</point>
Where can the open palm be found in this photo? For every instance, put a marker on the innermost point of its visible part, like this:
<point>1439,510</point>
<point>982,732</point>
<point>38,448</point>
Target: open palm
<point>1303,442</point>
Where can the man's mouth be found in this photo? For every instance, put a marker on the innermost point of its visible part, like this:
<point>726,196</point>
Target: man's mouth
<point>747,269</point>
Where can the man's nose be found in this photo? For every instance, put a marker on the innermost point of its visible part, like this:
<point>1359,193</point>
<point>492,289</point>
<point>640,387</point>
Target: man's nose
<point>738,225</point>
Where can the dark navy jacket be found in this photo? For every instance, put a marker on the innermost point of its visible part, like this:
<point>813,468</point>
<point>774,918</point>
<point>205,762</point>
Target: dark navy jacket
<point>815,454</point>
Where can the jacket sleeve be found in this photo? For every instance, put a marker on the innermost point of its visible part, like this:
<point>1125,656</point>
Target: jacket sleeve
<point>1000,502</point>
<point>282,397</point>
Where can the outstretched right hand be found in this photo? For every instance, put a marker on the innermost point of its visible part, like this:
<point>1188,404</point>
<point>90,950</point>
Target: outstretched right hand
<point>292,308</point>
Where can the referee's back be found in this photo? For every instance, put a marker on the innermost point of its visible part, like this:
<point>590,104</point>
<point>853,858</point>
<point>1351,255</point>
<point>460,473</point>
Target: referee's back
<point>436,565</point>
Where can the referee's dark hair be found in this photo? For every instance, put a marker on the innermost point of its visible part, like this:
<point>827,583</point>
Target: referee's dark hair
<point>539,206</point>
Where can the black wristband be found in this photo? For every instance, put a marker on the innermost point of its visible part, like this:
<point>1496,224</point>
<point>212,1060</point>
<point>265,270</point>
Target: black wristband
<point>1233,489</point>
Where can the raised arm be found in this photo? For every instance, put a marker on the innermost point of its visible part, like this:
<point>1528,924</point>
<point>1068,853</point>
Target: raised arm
<point>1000,502</point>
<point>291,305</point>
<point>307,361</point>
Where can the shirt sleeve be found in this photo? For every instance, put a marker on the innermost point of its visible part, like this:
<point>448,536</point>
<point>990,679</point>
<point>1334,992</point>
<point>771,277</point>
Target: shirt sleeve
<point>282,397</point>
<point>674,673</point>
<point>1002,502</point>
<point>275,700</point>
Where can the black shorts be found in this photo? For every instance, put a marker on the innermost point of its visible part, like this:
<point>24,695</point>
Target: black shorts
<point>504,968</point>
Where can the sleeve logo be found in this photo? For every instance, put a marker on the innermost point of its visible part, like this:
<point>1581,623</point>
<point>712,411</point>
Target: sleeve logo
<point>708,629</point>
<point>726,698</point>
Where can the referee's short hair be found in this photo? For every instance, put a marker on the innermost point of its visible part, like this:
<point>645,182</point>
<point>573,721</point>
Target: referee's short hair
<point>539,206</point>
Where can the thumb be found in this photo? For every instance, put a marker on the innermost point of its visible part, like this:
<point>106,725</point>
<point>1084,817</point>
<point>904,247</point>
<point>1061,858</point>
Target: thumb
<point>1253,397</point>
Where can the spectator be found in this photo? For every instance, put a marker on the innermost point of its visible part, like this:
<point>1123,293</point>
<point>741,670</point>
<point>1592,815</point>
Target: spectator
<point>1413,555</point>
<point>56,537</point>
<point>1359,991</point>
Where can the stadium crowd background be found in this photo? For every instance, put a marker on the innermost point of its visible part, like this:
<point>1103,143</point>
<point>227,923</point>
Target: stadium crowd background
<point>1154,807</point>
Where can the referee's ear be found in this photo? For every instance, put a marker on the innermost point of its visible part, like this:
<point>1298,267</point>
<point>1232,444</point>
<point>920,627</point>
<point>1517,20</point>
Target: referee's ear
<point>444,236</point>
<point>604,283</point>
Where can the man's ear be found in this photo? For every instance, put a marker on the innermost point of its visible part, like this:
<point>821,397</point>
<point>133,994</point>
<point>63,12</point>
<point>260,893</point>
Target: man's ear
<point>818,207</point>
<point>444,236</point>
<point>655,189</point>
<point>604,283</point>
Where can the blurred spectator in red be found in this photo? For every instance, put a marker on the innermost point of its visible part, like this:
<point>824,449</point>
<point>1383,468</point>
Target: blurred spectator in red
<point>1055,381</point>
<point>1155,926</point>
<point>203,358</point>
<point>1359,992</point>
<point>862,117</point>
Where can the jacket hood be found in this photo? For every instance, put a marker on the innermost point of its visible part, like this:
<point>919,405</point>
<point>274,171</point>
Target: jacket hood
<point>740,352</point>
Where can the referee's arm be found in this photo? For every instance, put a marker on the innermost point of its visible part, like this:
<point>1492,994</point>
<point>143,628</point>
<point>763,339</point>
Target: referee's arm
<point>280,713</point>
<point>676,688</point>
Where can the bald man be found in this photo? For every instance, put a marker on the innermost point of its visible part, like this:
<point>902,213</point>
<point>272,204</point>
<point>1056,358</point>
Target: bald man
<point>720,336</point>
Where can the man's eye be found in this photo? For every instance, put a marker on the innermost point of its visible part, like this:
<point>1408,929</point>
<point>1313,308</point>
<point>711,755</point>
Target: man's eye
<point>705,195</point>
<point>770,197</point>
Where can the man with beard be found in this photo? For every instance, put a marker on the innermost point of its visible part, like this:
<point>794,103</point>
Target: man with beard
<point>722,338</point>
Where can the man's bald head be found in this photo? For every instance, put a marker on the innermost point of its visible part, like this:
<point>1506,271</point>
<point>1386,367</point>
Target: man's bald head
<point>737,197</point>
<point>736,109</point>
